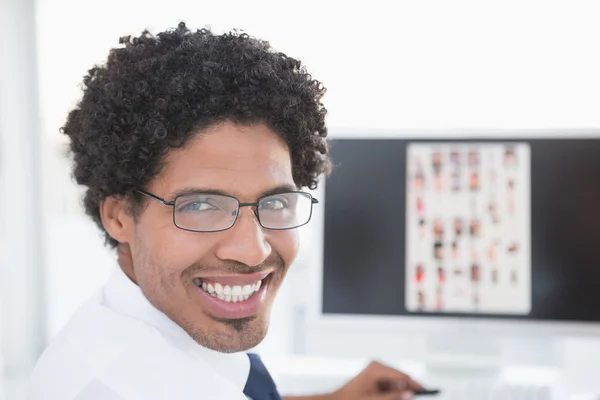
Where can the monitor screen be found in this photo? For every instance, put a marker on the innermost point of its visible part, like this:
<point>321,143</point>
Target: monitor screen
<point>504,228</point>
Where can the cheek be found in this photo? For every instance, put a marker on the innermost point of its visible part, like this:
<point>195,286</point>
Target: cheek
<point>155,233</point>
<point>182,248</point>
<point>286,244</point>
<point>170,250</point>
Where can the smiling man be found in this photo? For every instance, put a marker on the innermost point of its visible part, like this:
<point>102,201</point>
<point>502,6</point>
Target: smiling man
<point>194,149</point>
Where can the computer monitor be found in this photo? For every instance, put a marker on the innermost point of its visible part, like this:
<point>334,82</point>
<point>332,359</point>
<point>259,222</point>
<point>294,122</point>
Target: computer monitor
<point>439,245</point>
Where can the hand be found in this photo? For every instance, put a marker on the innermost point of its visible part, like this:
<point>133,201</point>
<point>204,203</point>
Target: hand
<point>378,382</point>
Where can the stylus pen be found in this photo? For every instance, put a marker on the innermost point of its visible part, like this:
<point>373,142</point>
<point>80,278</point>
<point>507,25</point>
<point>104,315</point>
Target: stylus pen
<point>386,386</point>
<point>427,392</point>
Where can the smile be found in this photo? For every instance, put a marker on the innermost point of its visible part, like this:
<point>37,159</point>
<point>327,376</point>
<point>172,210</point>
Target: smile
<point>234,296</point>
<point>228,293</point>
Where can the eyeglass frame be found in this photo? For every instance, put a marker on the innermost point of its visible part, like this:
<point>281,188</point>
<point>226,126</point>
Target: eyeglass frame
<point>240,205</point>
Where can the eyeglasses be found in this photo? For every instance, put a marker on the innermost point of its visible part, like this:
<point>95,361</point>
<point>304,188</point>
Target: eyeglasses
<point>207,212</point>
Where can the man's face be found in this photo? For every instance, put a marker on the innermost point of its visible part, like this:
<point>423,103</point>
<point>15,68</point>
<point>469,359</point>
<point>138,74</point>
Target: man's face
<point>168,263</point>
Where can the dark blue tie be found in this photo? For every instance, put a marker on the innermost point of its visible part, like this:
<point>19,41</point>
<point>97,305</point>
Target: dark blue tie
<point>260,385</point>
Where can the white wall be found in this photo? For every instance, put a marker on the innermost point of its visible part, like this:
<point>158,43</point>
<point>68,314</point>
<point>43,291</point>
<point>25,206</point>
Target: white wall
<point>391,65</point>
<point>21,254</point>
<point>398,64</point>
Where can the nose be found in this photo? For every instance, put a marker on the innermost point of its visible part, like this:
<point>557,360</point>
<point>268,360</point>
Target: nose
<point>245,241</point>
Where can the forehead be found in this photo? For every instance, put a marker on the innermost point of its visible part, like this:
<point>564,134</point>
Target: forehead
<point>241,160</point>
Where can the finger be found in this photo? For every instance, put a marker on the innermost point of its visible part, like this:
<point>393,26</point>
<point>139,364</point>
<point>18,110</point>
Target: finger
<point>392,386</point>
<point>414,385</point>
<point>379,372</point>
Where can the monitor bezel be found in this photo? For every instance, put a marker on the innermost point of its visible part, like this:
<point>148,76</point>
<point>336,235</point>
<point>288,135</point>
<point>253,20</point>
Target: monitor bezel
<point>315,320</point>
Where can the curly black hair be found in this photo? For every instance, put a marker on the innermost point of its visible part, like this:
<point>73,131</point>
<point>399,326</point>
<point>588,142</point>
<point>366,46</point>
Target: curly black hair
<point>158,91</point>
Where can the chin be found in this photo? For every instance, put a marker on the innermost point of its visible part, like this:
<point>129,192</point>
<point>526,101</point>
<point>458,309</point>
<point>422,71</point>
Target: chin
<point>232,336</point>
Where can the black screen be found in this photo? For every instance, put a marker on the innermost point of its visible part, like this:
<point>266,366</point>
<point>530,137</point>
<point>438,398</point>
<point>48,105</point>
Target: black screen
<point>365,213</point>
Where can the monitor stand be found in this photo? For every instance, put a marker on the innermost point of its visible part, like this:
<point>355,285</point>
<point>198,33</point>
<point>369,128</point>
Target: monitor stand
<point>456,356</point>
<point>470,354</point>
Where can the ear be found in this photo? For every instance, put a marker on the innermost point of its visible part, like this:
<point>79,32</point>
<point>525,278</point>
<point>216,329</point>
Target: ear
<point>117,218</point>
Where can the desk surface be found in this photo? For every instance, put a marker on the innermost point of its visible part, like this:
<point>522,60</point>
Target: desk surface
<point>303,375</point>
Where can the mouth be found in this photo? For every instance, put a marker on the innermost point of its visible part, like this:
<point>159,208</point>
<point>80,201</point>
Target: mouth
<point>233,296</point>
<point>229,293</point>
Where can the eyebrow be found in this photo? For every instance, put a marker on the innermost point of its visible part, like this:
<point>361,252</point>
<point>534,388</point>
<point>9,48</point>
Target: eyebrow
<point>200,190</point>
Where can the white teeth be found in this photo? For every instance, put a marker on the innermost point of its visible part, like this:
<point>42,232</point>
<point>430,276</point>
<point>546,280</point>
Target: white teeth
<point>218,288</point>
<point>234,294</point>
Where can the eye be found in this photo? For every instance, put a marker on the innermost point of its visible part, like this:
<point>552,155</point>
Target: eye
<point>197,206</point>
<point>274,204</point>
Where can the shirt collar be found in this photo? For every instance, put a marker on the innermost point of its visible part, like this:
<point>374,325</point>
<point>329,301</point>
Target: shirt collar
<point>126,298</point>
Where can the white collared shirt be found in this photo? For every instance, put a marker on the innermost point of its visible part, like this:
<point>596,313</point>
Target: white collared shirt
<point>118,346</point>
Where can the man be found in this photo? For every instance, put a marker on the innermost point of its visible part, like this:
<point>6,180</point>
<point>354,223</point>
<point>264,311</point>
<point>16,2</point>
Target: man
<point>194,149</point>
